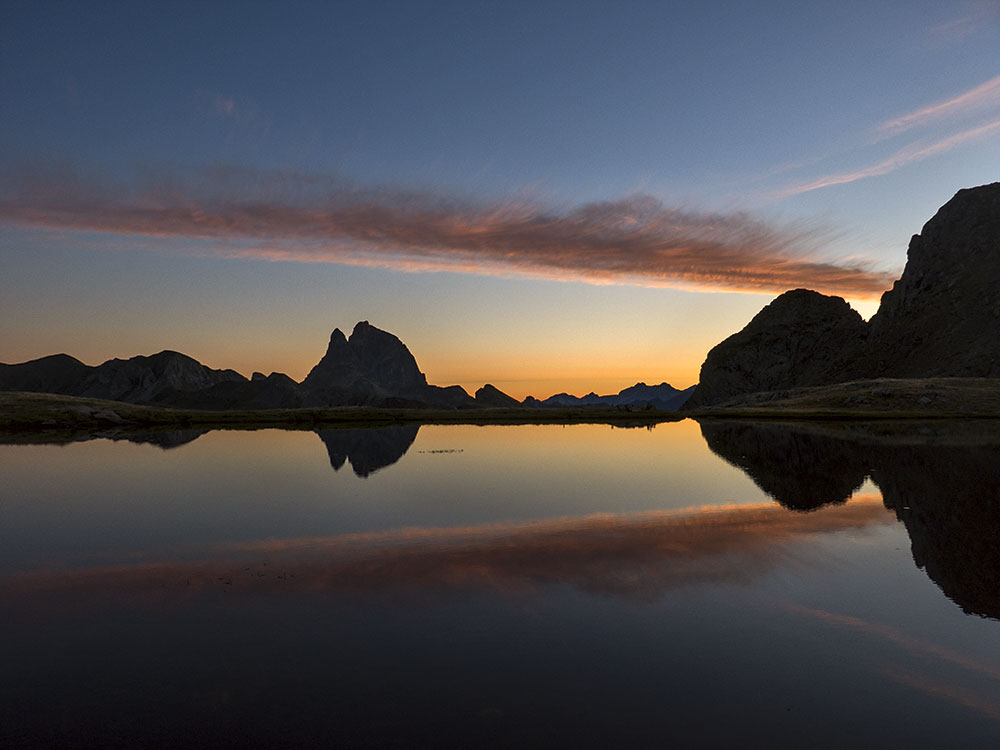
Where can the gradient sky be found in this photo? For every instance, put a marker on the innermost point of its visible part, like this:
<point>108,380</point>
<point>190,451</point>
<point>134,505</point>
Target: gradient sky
<point>547,196</point>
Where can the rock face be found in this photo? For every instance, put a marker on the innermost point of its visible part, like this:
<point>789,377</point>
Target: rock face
<point>941,317</point>
<point>802,338</point>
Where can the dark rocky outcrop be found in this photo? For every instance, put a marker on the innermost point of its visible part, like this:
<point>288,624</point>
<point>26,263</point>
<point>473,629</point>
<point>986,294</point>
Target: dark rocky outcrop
<point>491,396</point>
<point>802,338</point>
<point>942,316</point>
<point>940,319</point>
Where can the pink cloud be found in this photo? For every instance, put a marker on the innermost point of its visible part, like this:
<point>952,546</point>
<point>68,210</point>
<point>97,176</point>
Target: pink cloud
<point>635,240</point>
<point>983,95</point>
<point>904,156</point>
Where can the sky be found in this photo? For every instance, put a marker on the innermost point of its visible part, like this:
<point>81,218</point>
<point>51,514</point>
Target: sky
<point>547,196</point>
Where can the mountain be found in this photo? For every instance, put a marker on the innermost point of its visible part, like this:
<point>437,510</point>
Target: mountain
<point>938,320</point>
<point>371,367</point>
<point>801,338</point>
<point>663,396</point>
<point>491,396</point>
<point>139,380</point>
<point>57,373</point>
<point>374,367</point>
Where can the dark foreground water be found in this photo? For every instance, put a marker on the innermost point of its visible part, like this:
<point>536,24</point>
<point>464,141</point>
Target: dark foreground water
<point>715,585</point>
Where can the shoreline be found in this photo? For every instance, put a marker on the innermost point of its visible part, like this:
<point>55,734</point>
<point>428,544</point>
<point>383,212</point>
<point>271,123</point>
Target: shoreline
<point>865,400</point>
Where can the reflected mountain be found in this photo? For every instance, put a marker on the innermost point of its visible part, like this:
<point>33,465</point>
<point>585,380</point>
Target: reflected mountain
<point>368,449</point>
<point>165,439</point>
<point>941,479</point>
<point>801,470</point>
<point>948,497</point>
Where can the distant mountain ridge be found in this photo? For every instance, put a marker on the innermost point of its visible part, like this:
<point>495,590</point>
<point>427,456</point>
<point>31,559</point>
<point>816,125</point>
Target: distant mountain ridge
<point>371,367</point>
<point>663,396</point>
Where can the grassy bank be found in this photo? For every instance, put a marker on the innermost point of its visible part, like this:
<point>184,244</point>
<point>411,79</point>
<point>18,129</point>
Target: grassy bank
<point>886,398</point>
<point>42,411</point>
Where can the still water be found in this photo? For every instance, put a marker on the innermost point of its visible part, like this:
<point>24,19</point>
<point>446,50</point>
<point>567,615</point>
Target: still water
<point>689,585</point>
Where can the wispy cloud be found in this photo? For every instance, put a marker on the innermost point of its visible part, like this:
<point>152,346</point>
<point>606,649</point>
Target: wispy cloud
<point>908,155</point>
<point>981,96</point>
<point>634,240</point>
<point>981,15</point>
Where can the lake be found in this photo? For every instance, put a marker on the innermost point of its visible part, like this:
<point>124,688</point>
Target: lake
<point>687,585</point>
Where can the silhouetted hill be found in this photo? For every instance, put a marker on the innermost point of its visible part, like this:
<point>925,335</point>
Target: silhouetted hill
<point>802,338</point>
<point>139,380</point>
<point>663,396</point>
<point>58,373</point>
<point>939,319</point>
<point>370,368</point>
<point>490,395</point>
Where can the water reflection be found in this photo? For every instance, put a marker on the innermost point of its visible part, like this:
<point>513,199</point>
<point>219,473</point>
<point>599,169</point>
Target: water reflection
<point>639,556</point>
<point>942,480</point>
<point>368,449</point>
<point>799,469</point>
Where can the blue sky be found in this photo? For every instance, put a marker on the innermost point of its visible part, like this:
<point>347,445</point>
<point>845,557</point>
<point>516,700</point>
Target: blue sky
<point>548,196</point>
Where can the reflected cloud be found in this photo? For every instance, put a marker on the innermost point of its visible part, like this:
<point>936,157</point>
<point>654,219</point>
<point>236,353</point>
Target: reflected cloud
<point>900,638</point>
<point>634,556</point>
<point>309,218</point>
<point>938,688</point>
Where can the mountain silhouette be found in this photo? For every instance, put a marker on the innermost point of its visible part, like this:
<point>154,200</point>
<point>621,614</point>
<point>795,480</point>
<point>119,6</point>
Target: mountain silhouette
<point>663,396</point>
<point>938,320</point>
<point>372,367</point>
